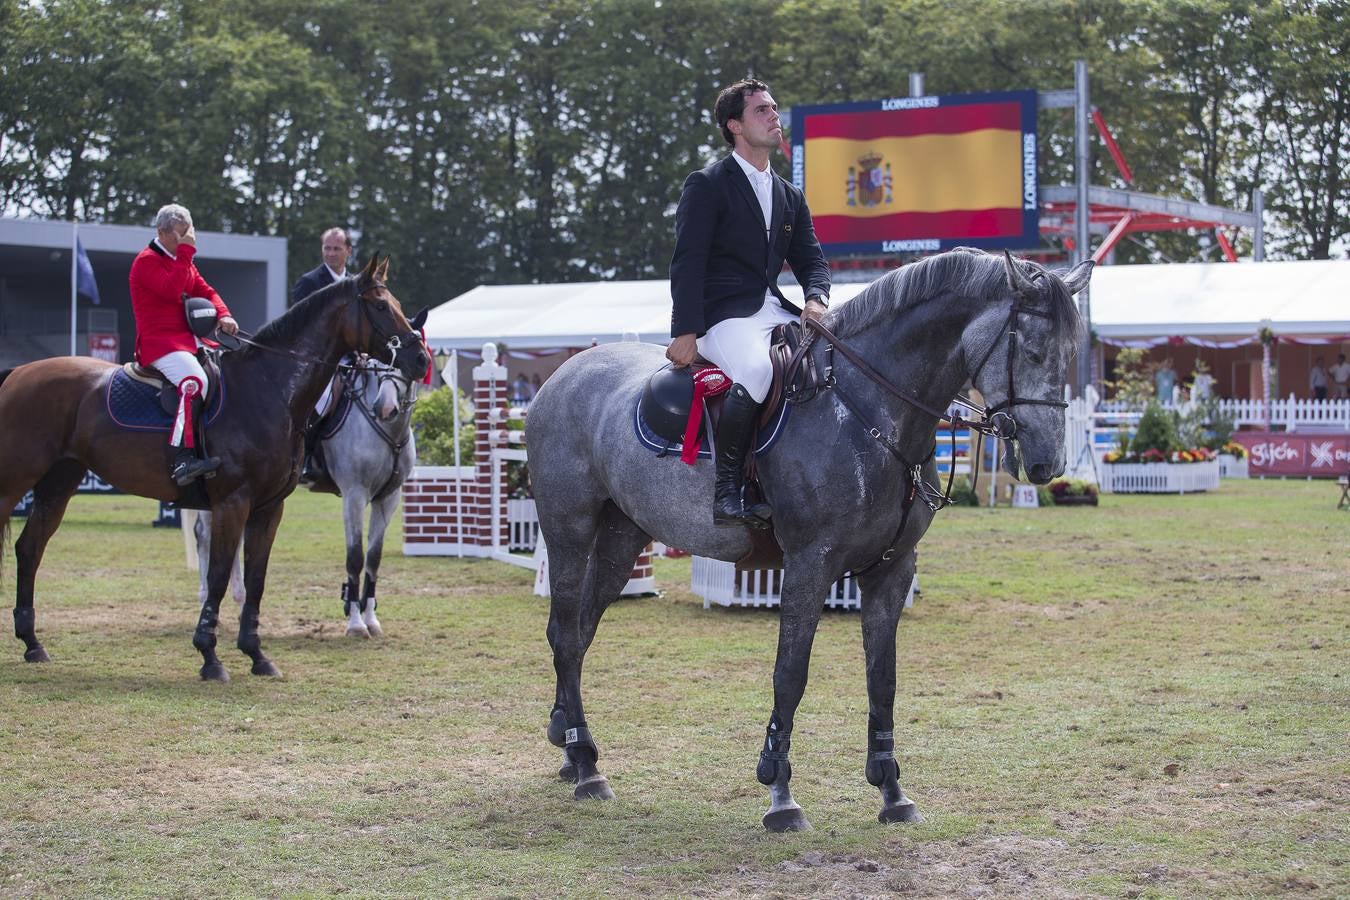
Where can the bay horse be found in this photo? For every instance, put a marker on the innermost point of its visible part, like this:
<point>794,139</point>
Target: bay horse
<point>368,454</point>
<point>54,416</point>
<point>852,481</point>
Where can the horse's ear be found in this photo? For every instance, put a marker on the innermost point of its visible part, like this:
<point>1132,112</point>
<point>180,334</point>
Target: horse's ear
<point>420,319</point>
<point>368,271</point>
<point>1016,280</point>
<point>382,271</point>
<point>1078,276</point>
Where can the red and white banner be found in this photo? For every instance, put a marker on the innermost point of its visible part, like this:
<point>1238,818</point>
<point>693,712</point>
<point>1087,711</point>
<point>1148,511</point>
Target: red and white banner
<point>1280,453</point>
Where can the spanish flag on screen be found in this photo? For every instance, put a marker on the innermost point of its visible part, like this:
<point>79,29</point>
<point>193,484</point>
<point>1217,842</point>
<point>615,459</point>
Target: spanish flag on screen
<point>952,171</point>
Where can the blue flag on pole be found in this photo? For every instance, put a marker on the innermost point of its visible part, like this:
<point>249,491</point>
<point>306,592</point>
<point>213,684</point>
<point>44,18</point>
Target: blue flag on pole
<point>84,273</point>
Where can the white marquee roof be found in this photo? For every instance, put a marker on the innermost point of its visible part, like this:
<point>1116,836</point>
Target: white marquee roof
<point>1197,300</point>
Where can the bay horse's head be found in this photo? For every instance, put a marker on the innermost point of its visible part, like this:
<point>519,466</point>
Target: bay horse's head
<point>380,329</point>
<point>1022,346</point>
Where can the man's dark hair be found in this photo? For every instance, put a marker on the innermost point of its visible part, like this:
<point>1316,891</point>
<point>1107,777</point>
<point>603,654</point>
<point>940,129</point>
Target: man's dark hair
<point>731,104</point>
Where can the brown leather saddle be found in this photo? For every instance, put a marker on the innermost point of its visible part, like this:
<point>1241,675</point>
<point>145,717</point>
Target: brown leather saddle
<point>796,379</point>
<point>168,393</point>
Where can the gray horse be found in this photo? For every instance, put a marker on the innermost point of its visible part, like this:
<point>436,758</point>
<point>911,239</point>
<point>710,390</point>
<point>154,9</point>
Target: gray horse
<point>842,480</point>
<point>368,456</point>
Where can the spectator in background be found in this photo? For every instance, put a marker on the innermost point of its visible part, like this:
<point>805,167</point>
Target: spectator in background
<point>1164,380</point>
<point>521,391</point>
<point>1317,380</point>
<point>535,384</point>
<point>1340,378</point>
<point>337,249</point>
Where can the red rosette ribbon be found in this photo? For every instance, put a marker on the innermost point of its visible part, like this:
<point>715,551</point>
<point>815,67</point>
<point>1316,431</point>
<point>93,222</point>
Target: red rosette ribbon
<point>708,382</point>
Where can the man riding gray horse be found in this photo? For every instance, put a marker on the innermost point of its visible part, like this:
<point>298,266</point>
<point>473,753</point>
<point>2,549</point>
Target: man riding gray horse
<point>736,224</point>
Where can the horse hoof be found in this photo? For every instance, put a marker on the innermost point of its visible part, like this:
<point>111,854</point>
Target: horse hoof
<point>900,812</point>
<point>568,773</point>
<point>375,629</point>
<point>215,672</point>
<point>783,820</point>
<point>594,788</point>
<point>37,655</point>
<point>357,632</point>
<point>265,667</point>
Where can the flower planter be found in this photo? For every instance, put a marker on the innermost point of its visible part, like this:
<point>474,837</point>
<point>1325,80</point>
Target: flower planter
<point>1232,467</point>
<point>1159,477</point>
<point>1076,500</point>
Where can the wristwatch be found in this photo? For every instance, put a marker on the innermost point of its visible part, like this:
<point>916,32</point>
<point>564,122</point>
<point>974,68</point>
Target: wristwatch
<point>822,299</point>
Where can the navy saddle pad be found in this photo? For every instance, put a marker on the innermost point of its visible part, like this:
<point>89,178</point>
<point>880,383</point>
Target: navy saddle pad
<point>135,405</point>
<point>766,438</point>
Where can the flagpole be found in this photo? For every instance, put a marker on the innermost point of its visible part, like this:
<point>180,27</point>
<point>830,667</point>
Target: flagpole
<point>74,261</point>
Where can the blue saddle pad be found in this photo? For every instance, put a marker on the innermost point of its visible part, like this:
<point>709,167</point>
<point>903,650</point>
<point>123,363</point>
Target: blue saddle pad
<point>652,441</point>
<point>135,405</point>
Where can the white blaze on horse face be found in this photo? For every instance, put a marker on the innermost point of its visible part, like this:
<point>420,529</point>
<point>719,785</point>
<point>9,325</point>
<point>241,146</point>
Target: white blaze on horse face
<point>386,402</point>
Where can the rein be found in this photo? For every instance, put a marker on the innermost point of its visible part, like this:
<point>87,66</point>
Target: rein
<point>995,421</point>
<point>393,343</point>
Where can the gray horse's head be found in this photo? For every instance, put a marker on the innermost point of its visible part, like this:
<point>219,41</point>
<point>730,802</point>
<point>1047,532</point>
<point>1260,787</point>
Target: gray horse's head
<point>1022,349</point>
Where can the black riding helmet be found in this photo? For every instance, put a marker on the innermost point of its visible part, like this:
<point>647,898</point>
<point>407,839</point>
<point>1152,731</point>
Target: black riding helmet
<point>666,402</point>
<point>201,315</point>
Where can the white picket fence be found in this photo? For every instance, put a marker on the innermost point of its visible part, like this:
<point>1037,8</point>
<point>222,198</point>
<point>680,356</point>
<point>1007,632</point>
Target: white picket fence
<point>1288,414</point>
<point>1159,478</point>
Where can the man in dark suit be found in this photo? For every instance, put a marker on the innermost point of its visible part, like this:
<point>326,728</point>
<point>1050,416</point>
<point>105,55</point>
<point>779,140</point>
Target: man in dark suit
<point>736,224</point>
<point>337,248</point>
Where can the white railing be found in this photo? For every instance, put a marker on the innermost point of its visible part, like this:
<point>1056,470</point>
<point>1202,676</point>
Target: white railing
<point>1159,478</point>
<point>1289,414</point>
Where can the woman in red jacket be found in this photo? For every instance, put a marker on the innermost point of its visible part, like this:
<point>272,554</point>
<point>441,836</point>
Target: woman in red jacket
<point>160,275</point>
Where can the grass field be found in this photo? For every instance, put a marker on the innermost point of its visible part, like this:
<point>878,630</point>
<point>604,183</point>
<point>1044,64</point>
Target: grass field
<point>1144,699</point>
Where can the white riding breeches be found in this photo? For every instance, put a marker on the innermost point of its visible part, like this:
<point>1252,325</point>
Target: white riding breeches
<point>740,347</point>
<point>180,364</point>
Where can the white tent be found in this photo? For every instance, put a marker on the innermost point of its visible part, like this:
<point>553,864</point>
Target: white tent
<point>1218,300</point>
<point>1222,300</point>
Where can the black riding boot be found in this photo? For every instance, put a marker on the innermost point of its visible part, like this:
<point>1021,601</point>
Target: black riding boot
<point>734,434</point>
<point>187,465</point>
<point>313,469</point>
<point>187,468</point>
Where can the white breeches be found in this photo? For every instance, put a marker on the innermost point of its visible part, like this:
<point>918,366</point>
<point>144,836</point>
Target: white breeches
<point>740,347</point>
<point>180,364</point>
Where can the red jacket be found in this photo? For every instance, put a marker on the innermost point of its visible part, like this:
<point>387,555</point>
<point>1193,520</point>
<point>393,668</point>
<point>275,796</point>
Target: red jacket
<point>158,284</point>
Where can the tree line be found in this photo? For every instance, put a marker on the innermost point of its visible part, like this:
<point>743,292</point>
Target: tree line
<point>500,141</point>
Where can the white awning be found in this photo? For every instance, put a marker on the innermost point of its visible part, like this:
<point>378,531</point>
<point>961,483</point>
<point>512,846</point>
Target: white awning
<point>1197,300</point>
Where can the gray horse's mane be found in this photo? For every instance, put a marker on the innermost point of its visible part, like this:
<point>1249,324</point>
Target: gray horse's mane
<point>964,275</point>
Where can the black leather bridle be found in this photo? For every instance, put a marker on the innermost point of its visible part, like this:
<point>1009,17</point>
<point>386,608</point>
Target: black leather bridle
<point>996,421</point>
<point>392,342</point>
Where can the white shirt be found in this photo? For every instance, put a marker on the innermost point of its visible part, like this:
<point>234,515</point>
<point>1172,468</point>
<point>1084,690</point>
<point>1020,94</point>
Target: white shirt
<point>1341,372</point>
<point>337,276</point>
<point>762,184</point>
<point>172,256</point>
